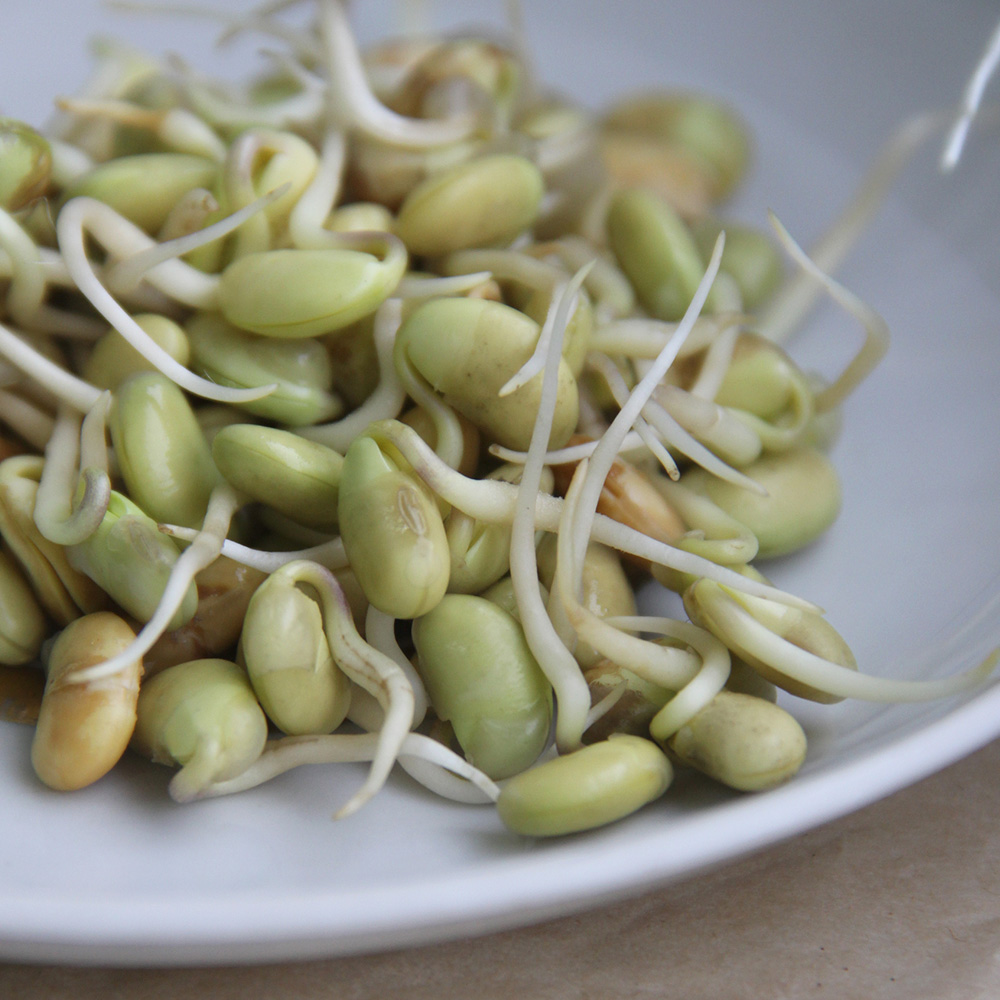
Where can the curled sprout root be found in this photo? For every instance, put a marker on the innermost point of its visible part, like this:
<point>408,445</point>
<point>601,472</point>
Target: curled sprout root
<point>60,514</point>
<point>371,669</point>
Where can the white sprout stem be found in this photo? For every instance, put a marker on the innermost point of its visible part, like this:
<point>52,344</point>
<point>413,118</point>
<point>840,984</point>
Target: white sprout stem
<point>366,713</point>
<point>125,274</point>
<point>205,548</point>
<point>27,287</point>
<point>182,130</point>
<point>446,774</point>
<point>971,100</point>
<point>607,286</point>
<point>460,530</point>
<point>634,543</point>
<point>639,337</point>
<point>305,223</point>
<point>655,446</point>
<point>602,707</point>
<point>93,445</point>
<point>68,162</point>
<point>793,303</point>
<point>711,530</point>
<point>449,439</point>
<point>80,214</point>
<point>724,431</point>
<point>177,128</point>
<point>291,530</point>
<point>26,419</point>
<point>557,662</point>
<point>494,501</point>
<point>807,668</point>
<point>124,239</point>
<point>380,632</point>
<point>227,109</point>
<point>876,341</point>
<point>261,20</point>
<point>506,265</point>
<point>389,396</point>
<point>379,675</point>
<point>670,423</point>
<point>68,388</point>
<point>29,274</point>
<point>413,287</point>
<point>667,666</point>
<point>564,150</point>
<point>57,485</point>
<point>672,430</point>
<point>536,362</point>
<point>285,753</point>
<point>60,515</point>
<point>311,82</point>
<point>330,554</point>
<point>351,93</point>
<point>568,455</point>
<point>718,357</point>
<point>199,771</point>
<point>716,665</point>
<point>238,183</point>
<point>600,463</point>
<point>50,262</point>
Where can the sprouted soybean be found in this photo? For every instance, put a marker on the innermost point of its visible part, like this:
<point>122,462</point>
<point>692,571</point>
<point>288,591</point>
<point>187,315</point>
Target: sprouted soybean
<point>314,312</point>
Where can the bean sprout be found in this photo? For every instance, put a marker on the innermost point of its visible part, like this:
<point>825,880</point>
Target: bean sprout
<point>464,270</point>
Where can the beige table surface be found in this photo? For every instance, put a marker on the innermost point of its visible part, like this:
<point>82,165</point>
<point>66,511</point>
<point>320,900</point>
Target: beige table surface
<point>899,900</point>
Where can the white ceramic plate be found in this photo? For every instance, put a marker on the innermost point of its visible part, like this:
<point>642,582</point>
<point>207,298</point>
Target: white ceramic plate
<point>119,874</point>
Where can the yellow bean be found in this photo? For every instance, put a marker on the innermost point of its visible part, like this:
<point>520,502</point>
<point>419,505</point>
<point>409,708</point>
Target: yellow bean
<point>84,728</point>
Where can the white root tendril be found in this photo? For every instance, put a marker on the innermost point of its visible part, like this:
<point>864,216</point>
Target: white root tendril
<point>814,671</point>
<point>125,274</point>
<point>330,554</point>
<point>568,455</point>
<point>876,341</point>
<point>537,361</point>
<point>351,94</point>
<point>674,667</point>
<point>82,214</point>
<point>60,515</point>
<point>707,682</point>
<point>789,308</point>
<point>380,632</point>
<point>377,673</point>
<point>557,662</point>
<point>667,666</point>
<point>603,457</point>
<point>205,548</point>
<point>496,502</point>
<point>389,396</point>
<point>971,100</point>
<point>284,754</point>
<point>69,389</point>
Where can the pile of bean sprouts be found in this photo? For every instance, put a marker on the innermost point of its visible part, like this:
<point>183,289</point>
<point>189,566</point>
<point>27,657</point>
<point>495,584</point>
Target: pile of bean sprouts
<point>345,408</point>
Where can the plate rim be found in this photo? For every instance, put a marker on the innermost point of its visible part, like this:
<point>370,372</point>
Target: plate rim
<point>127,932</point>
